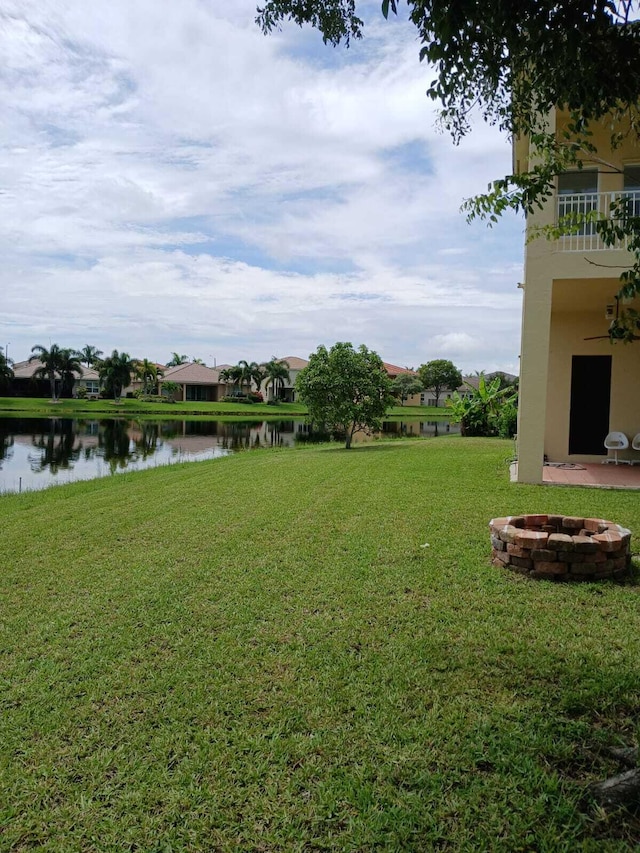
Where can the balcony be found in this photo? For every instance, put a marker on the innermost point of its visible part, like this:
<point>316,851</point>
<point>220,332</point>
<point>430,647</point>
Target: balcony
<point>585,238</point>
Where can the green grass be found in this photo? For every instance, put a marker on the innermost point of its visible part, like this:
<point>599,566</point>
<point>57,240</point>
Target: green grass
<point>258,654</point>
<point>10,406</point>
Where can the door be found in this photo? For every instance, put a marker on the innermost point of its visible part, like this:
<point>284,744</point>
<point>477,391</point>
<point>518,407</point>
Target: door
<point>590,399</point>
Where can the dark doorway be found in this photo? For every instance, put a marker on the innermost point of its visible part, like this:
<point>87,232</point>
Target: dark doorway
<point>590,399</point>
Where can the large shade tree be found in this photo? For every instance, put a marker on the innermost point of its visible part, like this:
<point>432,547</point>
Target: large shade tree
<point>345,390</point>
<point>115,373</point>
<point>405,385</point>
<point>439,375</point>
<point>512,63</point>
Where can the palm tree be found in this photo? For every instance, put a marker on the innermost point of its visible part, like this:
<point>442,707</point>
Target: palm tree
<point>148,373</point>
<point>233,375</point>
<point>259,374</point>
<point>68,366</point>
<point>249,370</point>
<point>6,373</point>
<point>177,360</point>
<point>90,355</point>
<point>277,375</point>
<point>50,361</point>
<point>115,373</point>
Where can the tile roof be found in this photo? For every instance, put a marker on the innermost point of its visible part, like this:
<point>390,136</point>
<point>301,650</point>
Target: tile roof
<point>394,370</point>
<point>294,362</point>
<point>192,374</point>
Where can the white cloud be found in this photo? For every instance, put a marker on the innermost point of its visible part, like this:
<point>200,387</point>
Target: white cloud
<point>172,179</point>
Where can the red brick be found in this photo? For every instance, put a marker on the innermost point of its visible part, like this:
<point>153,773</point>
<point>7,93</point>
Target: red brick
<point>517,551</point>
<point>508,533</point>
<point>620,563</point>
<point>500,556</point>
<point>498,544</point>
<point>570,557</point>
<point>496,523</point>
<point>598,557</point>
<point>593,525</point>
<point>560,542</point>
<point>584,544</point>
<point>583,568</point>
<point>522,562</point>
<point>551,568</point>
<point>531,539</point>
<point>535,521</point>
<point>573,522</point>
<point>544,554</point>
<point>556,520</point>
<point>608,541</point>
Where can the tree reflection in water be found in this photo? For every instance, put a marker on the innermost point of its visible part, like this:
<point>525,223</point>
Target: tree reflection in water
<point>114,443</point>
<point>6,443</point>
<point>57,445</point>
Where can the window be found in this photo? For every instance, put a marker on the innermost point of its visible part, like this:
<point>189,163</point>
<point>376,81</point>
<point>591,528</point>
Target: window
<point>196,393</point>
<point>92,386</point>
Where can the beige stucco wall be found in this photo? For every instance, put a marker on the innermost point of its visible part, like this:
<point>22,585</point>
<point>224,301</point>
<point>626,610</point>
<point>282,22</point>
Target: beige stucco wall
<point>565,294</point>
<point>569,328</point>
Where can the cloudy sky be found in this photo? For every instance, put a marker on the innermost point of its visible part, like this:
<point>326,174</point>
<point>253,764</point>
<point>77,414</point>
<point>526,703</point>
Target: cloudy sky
<point>173,180</point>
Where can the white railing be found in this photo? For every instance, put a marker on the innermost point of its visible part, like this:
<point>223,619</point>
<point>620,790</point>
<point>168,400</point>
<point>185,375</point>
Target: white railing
<point>585,238</point>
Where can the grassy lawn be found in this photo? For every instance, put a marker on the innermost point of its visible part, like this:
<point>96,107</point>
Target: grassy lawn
<point>258,654</point>
<point>36,406</point>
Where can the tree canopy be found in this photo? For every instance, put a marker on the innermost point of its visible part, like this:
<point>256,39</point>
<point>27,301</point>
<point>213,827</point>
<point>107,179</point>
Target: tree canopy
<point>512,63</point>
<point>439,375</point>
<point>345,390</point>
<point>405,385</point>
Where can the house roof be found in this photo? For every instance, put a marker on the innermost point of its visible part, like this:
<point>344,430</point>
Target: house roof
<point>294,362</point>
<point>394,370</point>
<point>26,369</point>
<point>192,374</point>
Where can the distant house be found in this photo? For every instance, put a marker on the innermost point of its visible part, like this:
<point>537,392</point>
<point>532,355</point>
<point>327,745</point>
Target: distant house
<point>287,393</point>
<point>24,383</point>
<point>427,397</point>
<point>393,371</point>
<point>197,383</point>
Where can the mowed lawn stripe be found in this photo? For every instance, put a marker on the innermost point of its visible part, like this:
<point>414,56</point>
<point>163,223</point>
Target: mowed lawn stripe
<point>258,653</point>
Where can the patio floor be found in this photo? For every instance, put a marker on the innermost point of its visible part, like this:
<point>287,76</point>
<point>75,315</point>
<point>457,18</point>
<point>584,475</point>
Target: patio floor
<point>596,476</point>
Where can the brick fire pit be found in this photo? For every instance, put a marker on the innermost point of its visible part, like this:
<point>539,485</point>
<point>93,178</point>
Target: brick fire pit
<point>561,547</point>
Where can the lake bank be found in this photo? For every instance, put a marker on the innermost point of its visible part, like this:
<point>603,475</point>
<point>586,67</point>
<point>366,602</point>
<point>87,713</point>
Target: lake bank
<point>33,407</point>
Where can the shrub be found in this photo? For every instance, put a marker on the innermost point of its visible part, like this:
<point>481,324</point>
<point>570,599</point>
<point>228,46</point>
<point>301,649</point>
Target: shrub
<point>508,420</point>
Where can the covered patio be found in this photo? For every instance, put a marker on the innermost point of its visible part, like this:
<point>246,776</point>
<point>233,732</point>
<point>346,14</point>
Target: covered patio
<point>592,474</point>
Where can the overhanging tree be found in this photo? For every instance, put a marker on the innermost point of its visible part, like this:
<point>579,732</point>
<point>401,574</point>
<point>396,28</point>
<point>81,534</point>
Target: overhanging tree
<point>345,390</point>
<point>513,63</point>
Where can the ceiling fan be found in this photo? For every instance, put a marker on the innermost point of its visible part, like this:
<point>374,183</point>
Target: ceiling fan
<point>617,330</point>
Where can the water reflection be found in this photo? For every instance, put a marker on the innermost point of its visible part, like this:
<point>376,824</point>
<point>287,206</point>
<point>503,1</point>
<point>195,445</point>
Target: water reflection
<point>38,452</point>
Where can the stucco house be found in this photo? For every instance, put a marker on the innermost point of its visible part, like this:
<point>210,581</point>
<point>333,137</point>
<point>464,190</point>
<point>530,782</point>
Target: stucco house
<point>196,383</point>
<point>575,386</point>
<point>24,383</point>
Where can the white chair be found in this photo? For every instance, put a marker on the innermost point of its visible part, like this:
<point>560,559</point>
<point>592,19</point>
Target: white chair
<point>635,445</point>
<point>616,441</point>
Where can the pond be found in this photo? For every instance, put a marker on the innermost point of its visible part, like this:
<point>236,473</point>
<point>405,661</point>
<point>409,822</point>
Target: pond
<point>40,452</point>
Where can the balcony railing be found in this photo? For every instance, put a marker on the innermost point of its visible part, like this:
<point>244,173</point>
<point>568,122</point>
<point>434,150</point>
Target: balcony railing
<point>585,238</point>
